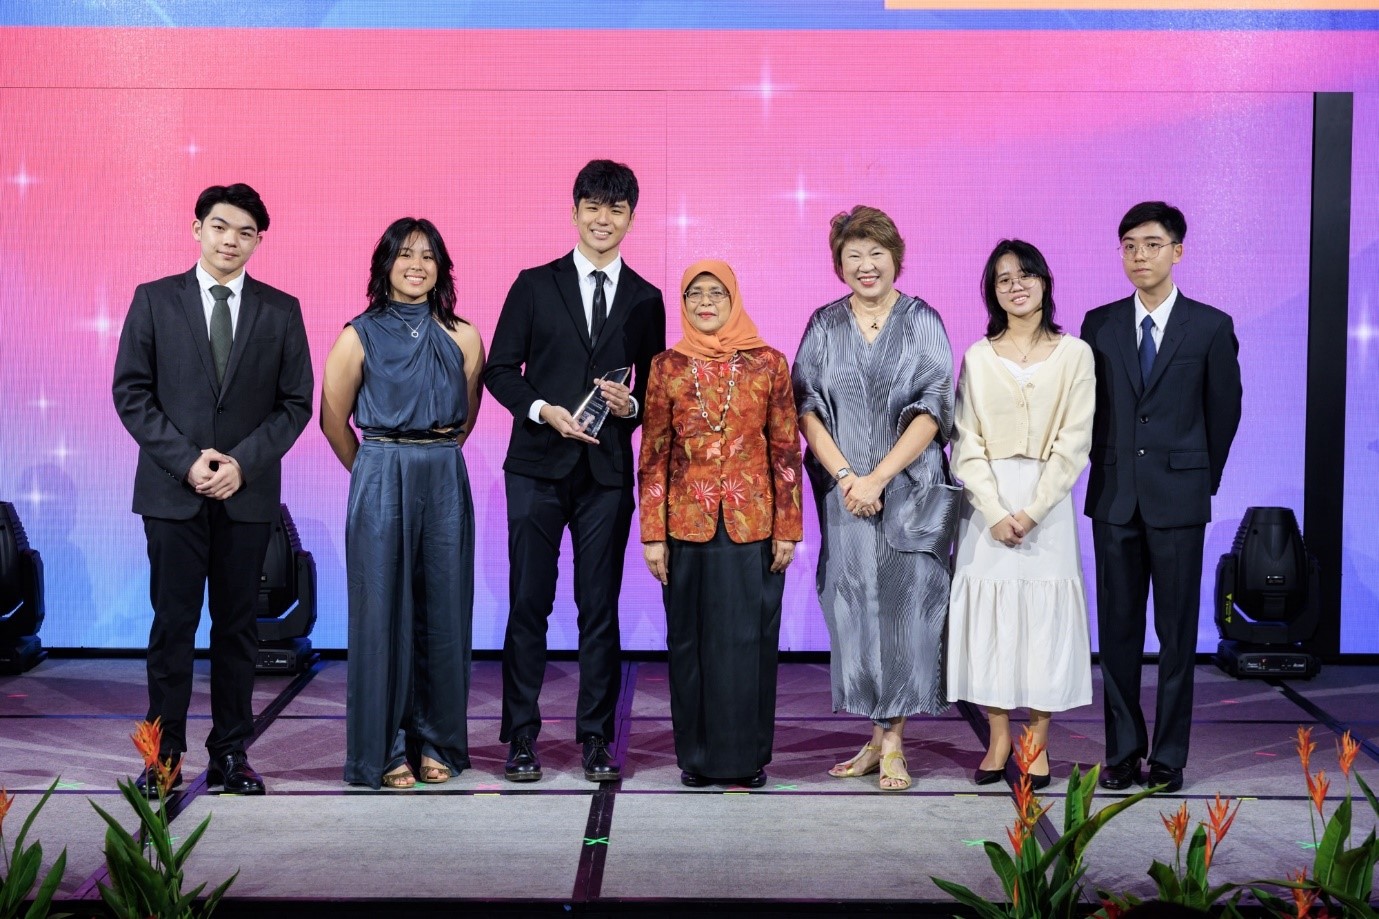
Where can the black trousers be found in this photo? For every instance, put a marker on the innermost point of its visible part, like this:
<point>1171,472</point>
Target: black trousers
<point>599,518</point>
<point>1128,559</point>
<point>185,557</point>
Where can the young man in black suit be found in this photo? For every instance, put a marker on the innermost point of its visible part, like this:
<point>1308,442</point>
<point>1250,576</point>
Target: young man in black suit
<point>213,380</point>
<point>563,326</point>
<point>1167,408</point>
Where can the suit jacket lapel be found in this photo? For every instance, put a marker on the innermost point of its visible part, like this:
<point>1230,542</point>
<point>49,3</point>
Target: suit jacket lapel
<point>248,313</point>
<point>567,281</point>
<point>1122,327</point>
<point>1173,335</point>
<point>195,314</point>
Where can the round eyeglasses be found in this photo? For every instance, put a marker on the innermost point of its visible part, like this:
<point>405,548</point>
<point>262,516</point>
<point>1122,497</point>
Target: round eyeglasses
<point>1149,250</point>
<point>1023,281</point>
<point>696,297</point>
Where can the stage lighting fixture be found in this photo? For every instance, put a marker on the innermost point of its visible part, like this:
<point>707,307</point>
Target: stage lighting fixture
<point>21,596</point>
<point>286,606</point>
<point>1266,598</point>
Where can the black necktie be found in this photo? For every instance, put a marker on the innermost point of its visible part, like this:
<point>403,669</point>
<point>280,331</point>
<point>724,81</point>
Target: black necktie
<point>222,333</point>
<point>600,307</point>
<point>1147,349</point>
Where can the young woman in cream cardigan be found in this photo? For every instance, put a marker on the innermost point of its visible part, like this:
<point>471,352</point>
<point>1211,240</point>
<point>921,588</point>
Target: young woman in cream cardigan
<point>1017,627</point>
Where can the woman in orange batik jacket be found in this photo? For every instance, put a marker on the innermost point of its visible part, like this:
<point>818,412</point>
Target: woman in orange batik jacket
<point>720,515</point>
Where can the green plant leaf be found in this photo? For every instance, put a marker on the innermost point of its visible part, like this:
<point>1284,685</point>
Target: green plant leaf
<point>214,899</point>
<point>192,839</point>
<point>1166,881</point>
<point>983,907</point>
<point>1332,842</point>
<point>1002,864</point>
<point>1352,871</point>
<point>43,900</point>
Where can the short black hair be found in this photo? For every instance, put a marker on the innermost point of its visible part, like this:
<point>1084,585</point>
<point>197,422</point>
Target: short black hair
<point>1031,262</point>
<point>1166,215</point>
<point>238,195</point>
<point>442,297</point>
<point>606,182</point>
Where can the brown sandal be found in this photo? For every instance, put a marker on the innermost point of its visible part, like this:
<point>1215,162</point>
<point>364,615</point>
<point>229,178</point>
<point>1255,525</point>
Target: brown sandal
<point>399,778</point>
<point>434,773</point>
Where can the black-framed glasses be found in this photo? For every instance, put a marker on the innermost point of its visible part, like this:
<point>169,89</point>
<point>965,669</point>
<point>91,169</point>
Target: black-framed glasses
<point>696,297</point>
<point>1023,281</point>
<point>1150,250</point>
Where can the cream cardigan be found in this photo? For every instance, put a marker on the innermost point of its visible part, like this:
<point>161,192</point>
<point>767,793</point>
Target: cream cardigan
<point>1048,418</point>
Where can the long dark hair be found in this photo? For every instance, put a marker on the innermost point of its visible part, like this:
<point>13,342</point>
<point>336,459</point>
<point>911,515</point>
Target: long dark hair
<point>1031,262</point>
<point>442,297</point>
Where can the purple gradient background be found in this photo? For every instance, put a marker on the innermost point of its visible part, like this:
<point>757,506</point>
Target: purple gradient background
<point>745,159</point>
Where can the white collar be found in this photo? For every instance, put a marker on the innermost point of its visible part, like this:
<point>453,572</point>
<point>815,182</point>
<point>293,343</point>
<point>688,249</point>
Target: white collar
<point>204,279</point>
<point>586,267</point>
<point>1161,312</point>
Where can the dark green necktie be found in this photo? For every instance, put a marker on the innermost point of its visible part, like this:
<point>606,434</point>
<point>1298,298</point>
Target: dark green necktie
<point>222,333</point>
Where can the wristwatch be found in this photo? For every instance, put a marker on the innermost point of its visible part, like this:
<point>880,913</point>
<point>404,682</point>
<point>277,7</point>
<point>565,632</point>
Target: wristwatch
<point>842,473</point>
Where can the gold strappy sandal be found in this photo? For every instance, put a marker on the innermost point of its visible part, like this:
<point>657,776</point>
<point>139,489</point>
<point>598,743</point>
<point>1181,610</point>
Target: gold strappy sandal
<point>399,778</point>
<point>849,770</point>
<point>900,774</point>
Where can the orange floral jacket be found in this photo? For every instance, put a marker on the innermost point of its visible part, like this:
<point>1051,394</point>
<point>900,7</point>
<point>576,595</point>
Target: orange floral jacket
<point>751,469</point>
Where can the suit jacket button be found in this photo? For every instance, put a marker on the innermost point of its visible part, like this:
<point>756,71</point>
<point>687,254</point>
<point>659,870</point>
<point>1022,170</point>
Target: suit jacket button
<point>1144,419</point>
<point>1139,453</point>
<point>220,411</point>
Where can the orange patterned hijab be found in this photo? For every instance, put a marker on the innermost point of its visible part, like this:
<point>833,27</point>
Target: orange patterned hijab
<point>739,333</point>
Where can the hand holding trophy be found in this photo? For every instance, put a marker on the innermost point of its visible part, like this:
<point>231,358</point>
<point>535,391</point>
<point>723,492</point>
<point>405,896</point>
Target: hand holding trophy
<point>593,411</point>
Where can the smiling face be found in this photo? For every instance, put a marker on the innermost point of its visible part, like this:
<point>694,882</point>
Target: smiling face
<point>1148,254</point>
<point>707,304</point>
<point>868,268</point>
<point>228,236</point>
<point>414,273</point>
<point>1019,293</point>
<point>601,229</point>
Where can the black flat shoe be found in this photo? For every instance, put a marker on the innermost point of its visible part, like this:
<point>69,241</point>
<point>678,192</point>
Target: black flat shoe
<point>522,764</point>
<point>1170,778</point>
<point>598,762</point>
<point>234,774</point>
<point>694,779</point>
<point>148,787</point>
<point>1121,776</point>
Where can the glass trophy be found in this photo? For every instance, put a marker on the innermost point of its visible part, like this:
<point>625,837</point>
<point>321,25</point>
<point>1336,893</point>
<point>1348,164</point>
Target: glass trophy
<point>593,410</point>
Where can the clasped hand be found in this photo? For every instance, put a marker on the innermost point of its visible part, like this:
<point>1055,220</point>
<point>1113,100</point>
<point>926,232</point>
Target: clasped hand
<point>219,483</point>
<point>862,495</point>
<point>1011,529</point>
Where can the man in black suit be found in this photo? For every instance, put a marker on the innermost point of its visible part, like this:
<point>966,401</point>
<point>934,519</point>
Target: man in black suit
<point>213,380</point>
<point>1167,408</point>
<point>563,326</point>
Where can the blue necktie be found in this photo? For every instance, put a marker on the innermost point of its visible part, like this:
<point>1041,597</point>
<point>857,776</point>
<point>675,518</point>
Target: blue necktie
<point>1147,349</point>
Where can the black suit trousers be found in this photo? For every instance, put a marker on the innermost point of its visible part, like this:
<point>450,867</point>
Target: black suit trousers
<point>1129,558</point>
<point>599,518</point>
<point>185,556</point>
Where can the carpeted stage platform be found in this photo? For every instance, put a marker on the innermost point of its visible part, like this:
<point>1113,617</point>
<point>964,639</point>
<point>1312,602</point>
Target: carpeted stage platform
<point>805,844</point>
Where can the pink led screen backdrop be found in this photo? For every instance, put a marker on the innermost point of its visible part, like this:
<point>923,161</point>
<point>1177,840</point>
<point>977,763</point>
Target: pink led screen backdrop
<point>745,144</point>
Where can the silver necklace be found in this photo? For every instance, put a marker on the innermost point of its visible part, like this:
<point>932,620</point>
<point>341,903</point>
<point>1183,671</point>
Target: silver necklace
<point>1024,356</point>
<point>416,332</point>
<point>732,388</point>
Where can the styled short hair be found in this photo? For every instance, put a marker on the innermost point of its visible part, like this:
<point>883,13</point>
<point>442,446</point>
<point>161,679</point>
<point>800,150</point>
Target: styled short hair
<point>238,195</point>
<point>864,222</point>
<point>606,182</point>
<point>442,297</point>
<point>1166,215</point>
<point>1031,262</point>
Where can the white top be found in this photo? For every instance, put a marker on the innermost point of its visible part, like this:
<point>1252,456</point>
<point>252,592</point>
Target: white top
<point>1044,413</point>
<point>206,282</point>
<point>1160,317</point>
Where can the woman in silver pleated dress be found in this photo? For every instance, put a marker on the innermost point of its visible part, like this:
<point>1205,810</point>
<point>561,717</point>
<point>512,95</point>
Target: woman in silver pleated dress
<point>874,387</point>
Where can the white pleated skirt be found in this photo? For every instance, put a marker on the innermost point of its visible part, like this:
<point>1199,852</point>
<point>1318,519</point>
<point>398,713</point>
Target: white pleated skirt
<point>1017,622</point>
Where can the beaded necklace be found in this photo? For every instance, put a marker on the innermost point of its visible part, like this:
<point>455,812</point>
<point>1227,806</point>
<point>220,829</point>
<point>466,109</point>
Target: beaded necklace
<point>699,397</point>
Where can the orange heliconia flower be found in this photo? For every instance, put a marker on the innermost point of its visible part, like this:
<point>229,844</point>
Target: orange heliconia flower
<point>148,737</point>
<point>1219,820</point>
<point>1111,910</point>
<point>1027,751</point>
<point>1303,900</point>
<point>1017,837</point>
<point>1317,790</point>
<point>1176,825</point>
<point>5,801</point>
<point>1305,748</point>
<point>1349,746</point>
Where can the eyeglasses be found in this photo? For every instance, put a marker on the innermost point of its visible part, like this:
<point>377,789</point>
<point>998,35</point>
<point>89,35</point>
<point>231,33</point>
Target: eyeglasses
<point>1149,250</point>
<point>696,297</point>
<point>1024,281</point>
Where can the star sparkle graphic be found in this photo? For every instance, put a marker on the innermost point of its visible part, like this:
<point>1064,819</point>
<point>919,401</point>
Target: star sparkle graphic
<point>23,179</point>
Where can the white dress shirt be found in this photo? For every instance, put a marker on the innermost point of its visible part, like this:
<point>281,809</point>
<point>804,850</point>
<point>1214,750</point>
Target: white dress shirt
<point>586,269</point>
<point>206,282</point>
<point>1160,317</point>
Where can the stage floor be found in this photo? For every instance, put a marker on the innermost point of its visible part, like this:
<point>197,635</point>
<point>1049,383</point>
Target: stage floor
<point>804,843</point>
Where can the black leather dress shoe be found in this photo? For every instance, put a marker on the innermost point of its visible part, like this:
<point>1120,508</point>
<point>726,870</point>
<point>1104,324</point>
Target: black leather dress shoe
<point>694,779</point>
<point>598,763</point>
<point>1171,779</point>
<point>234,774</point>
<point>522,764</point>
<point>1121,776</point>
<point>149,788</point>
<point>755,780</point>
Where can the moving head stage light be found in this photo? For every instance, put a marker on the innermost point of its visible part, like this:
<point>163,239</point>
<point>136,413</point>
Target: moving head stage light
<point>21,596</point>
<point>1266,598</point>
<point>286,606</point>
